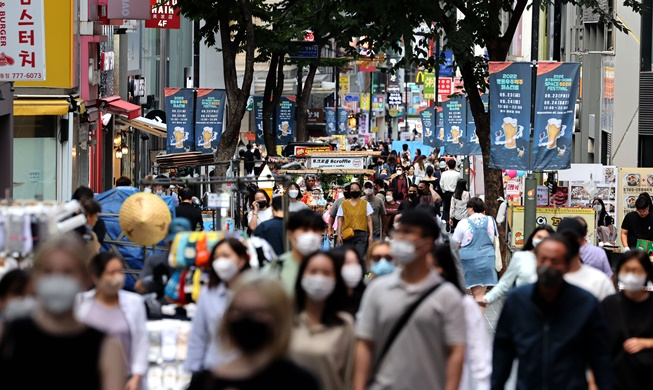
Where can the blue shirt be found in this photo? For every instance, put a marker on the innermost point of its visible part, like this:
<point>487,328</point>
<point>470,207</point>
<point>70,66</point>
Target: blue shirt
<point>272,232</point>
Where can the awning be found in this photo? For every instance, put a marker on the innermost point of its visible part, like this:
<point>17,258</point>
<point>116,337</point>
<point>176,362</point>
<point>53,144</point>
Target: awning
<point>41,107</point>
<point>115,105</point>
<point>145,125</point>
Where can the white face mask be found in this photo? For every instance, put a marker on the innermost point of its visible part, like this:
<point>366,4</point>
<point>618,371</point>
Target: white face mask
<point>352,274</point>
<point>318,287</point>
<point>369,191</point>
<point>597,208</point>
<point>225,268</point>
<point>19,308</point>
<point>57,293</point>
<point>400,172</point>
<point>159,192</point>
<point>388,198</point>
<point>536,242</point>
<point>308,243</point>
<point>112,285</point>
<point>403,251</point>
<point>147,190</point>
<point>632,282</point>
<point>293,194</point>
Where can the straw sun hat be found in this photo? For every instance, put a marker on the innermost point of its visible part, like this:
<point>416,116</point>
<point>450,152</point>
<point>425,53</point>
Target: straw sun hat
<point>144,218</point>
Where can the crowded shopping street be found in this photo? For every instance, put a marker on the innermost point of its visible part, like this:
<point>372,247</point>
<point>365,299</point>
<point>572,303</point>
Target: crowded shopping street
<point>326,195</point>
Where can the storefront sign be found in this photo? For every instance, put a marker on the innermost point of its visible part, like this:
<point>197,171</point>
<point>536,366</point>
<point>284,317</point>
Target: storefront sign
<point>473,147</point>
<point>330,120</point>
<point>454,111</point>
<point>303,151</point>
<point>258,119</point>
<point>164,15</point>
<point>128,9</point>
<point>364,123</point>
<point>542,196</point>
<point>179,105</point>
<point>632,182</point>
<point>22,42</point>
<point>365,101</point>
<point>315,116</point>
<point>429,86</point>
<point>446,68</point>
<point>209,114</point>
<point>343,117</point>
<point>549,216</point>
<point>336,162</point>
<point>343,82</point>
<point>555,103</point>
<point>445,85</point>
<point>510,113</point>
<point>285,120</point>
<point>428,126</point>
<point>378,103</point>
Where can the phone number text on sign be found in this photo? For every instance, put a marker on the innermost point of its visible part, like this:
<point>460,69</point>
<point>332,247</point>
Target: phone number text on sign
<point>22,43</point>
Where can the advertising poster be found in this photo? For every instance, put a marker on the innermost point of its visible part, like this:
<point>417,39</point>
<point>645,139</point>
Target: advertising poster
<point>363,123</point>
<point>632,182</point>
<point>428,126</point>
<point>330,120</point>
<point>605,183</point>
<point>555,103</point>
<point>473,147</point>
<point>258,119</point>
<point>180,103</point>
<point>429,86</point>
<point>439,126</point>
<point>510,114</point>
<point>365,100</point>
<point>286,120</point>
<point>454,111</point>
<point>23,40</point>
<point>549,216</point>
<point>209,116</point>
<point>343,117</point>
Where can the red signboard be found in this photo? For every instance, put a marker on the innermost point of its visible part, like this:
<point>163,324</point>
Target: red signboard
<point>445,86</point>
<point>164,15</point>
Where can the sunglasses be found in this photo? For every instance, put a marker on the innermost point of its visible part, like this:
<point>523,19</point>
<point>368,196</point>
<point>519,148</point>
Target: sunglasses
<point>379,257</point>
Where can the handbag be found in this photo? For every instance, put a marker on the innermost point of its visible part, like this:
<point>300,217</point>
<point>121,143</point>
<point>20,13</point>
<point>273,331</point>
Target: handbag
<point>347,233</point>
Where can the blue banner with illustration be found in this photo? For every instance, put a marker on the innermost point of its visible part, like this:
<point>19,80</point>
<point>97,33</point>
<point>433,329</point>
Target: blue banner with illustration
<point>454,112</point>
<point>258,119</point>
<point>439,127</point>
<point>179,105</point>
<point>428,126</point>
<point>343,118</point>
<point>510,114</point>
<point>473,147</point>
<point>555,103</point>
<point>330,120</point>
<point>285,120</point>
<point>209,115</point>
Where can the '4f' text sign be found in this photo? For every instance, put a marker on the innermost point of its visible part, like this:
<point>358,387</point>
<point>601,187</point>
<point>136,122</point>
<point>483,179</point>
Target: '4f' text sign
<point>22,44</point>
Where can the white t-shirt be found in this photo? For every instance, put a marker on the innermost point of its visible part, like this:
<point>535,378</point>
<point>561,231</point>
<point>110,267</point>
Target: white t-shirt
<point>463,232</point>
<point>369,212</point>
<point>263,215</point>
<point>592,280</point>
<point>449,179</point>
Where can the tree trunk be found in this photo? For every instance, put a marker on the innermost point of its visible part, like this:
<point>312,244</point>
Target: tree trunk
<point>302,102</point>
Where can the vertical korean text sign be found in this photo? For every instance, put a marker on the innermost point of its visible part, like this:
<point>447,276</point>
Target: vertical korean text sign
<point>510,114</point>
<point>22,40</point>
<point>179,106</point>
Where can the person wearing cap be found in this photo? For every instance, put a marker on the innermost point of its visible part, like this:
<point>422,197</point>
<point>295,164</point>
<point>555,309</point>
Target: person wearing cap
<point>579,274</point>
<point>156,271</point>
<point>378,208</point>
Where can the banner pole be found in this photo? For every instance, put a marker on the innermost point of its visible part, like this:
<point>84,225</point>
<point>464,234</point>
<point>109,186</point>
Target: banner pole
<point>530,187</point>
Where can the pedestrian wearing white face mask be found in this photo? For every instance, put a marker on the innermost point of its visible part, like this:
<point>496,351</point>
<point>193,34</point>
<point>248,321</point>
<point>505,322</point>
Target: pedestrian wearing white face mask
<point>119,313</point>
<point>305,232</point>
<point>229,258</point>
<point>411,325</point>
<point>353,271</point>
<point>295,197</point>
<point>323,335</point>
<point>522,268</point>
<point>630,322</point>
<point>32,350</point>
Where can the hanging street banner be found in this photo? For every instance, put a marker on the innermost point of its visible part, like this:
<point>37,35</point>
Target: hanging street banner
<point>209,116</point>
<point>510,114</point>
<point>330,120</point>
<point>286,120</point>
<point>343,117</point>
<point>22,40</point>
<point>473,147</point>
<point>555,103</point>
<point>180,103</point>
<point>428,126</point>
<point>258,119</point>
<point>439,127</point>
<point>454,112</point>
<point>429,86</point>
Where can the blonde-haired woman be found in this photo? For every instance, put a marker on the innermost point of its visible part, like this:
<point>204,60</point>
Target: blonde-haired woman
<point>257,326</point>
<point>36,345</point>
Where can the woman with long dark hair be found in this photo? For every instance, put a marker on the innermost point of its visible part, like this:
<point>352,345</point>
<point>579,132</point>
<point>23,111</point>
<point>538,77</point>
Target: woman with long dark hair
<point>458,210</point>
<point>604,222</point>
<point>353,271</point>
<point>229,259</point>
<point>323,337</point>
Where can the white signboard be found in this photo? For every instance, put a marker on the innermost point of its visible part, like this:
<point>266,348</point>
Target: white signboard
<point>22,41</point>
<point>336,162</point>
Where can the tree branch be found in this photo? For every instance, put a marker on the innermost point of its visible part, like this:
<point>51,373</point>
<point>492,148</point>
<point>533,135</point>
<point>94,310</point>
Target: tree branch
<point>517,13</point>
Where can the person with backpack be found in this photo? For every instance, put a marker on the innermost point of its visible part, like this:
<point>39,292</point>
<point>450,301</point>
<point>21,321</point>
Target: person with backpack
<point>395,350</point>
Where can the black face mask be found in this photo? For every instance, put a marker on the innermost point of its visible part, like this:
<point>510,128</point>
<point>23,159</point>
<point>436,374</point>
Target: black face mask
<point>420,192</point>
<point>262,204</point>
<point>347,194</point>
<point>549,276</point>
<point>355,194</point>
<point>250,335</point>
<point>412,195</point>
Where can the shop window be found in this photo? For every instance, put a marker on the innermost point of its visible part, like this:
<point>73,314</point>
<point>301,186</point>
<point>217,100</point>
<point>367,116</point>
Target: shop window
<point>35,157</point>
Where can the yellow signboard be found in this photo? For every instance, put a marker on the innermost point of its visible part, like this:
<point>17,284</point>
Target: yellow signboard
<point>344,84</point>
<point>548,216</point>
<point>58,46</point>
<point>365,101</point>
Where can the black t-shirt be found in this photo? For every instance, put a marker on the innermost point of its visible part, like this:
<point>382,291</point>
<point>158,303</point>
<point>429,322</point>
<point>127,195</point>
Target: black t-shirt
<point>193,215</point>
<point>281,374</point>
<point>626,319</point>
<point>638,228</point>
